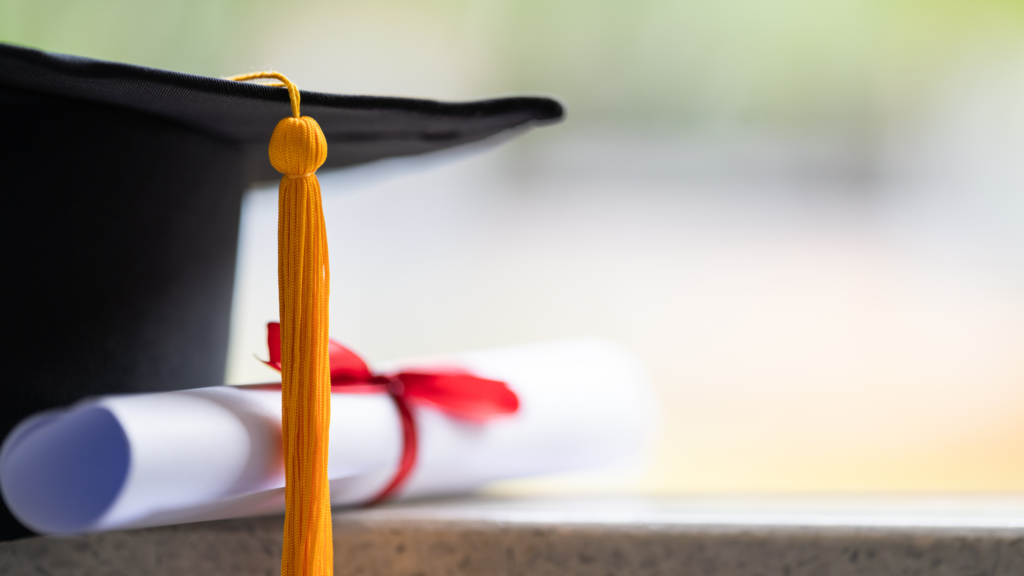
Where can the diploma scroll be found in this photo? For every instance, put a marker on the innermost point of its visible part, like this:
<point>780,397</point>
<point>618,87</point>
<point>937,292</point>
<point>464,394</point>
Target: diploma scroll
<point>209,453</point>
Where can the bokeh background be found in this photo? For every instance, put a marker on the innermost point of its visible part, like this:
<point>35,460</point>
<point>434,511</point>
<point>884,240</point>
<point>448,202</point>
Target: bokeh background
<point>805,216</point>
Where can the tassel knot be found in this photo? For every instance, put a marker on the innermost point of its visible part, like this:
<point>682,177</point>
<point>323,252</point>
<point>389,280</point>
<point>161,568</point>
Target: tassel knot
<point>298,147</point>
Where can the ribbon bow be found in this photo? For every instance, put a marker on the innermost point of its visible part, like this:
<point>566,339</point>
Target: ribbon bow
<point>450,390</point>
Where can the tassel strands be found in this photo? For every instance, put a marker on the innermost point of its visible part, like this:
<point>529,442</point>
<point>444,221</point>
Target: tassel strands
<point>297,149</point>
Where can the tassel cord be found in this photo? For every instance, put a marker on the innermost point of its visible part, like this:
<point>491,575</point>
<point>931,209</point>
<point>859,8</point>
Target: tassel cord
<point>297,149</point>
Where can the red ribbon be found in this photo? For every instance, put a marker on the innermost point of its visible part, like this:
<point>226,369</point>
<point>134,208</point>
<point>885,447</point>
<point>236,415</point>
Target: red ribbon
<point>451,390</point>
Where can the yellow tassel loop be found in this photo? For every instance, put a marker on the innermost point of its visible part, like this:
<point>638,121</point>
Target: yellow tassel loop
<point>297,149</point>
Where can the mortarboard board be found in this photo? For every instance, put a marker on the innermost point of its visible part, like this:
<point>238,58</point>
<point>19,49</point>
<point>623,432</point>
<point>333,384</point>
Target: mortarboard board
<point>123,188</point>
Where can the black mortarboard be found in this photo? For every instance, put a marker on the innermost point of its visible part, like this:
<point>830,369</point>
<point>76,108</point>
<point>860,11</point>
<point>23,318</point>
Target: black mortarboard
<point>122,189</point>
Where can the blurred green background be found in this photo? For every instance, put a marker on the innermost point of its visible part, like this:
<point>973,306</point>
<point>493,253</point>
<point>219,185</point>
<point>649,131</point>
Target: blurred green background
<point>839,65</point>
<point>806,217</point>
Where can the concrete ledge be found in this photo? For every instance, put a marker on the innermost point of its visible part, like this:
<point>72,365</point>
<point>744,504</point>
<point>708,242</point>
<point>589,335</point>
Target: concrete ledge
<point>577,537</point>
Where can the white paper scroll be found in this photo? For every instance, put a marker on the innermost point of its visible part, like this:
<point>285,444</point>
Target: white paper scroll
<point>209,453</point>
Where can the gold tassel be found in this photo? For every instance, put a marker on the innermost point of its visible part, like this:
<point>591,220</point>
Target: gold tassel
<point>297,149</point>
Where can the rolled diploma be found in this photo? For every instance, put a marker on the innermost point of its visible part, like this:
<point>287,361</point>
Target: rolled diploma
<point>166,458</point>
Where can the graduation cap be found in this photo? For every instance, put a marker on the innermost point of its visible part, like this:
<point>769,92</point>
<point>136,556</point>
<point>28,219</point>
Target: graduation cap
<point>122,191</point>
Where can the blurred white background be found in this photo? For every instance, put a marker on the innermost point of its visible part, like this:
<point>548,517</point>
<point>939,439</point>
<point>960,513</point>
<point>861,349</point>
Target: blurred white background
<point>807,218</point>
<point>809,325</point>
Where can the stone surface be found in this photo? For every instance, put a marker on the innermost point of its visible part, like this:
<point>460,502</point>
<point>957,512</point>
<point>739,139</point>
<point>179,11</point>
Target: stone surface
<point>707,537</point>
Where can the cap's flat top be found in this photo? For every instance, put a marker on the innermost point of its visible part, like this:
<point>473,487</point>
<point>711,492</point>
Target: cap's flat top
<point>359,128</point>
